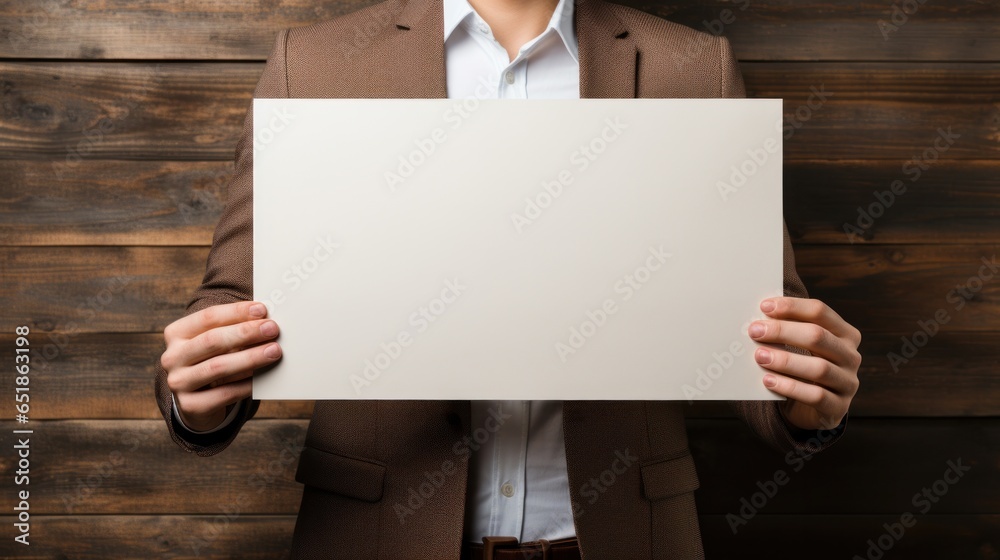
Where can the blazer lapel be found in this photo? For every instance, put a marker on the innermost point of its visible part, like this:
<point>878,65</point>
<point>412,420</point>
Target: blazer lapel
<point>607,53</point>
<point>421,44</point>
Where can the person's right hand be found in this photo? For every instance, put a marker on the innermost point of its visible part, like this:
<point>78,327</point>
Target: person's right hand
<point>211,355</point>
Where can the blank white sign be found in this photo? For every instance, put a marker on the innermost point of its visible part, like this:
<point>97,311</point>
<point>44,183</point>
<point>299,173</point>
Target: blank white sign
<point>541,249</point>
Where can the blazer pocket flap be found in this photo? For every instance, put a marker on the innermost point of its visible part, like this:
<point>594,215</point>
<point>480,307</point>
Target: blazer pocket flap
<point>669,477</point>
<point>354,478</point>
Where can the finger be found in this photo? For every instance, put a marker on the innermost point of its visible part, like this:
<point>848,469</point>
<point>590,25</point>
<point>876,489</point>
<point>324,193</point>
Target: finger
<point>223,368</point>
<point>811,311</point>
<point>808,368</point>
<point>212,317</point>
<point>806,393</point>
<point>808,336</point>
<point>204,403</point>
<point>228,339</point>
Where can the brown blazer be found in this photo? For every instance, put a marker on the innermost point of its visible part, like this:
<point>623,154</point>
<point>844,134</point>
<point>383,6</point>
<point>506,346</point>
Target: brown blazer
<point>362,458</point>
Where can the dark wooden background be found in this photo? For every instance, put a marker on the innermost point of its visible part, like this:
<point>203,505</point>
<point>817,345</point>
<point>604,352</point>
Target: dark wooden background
<point>118,121</point>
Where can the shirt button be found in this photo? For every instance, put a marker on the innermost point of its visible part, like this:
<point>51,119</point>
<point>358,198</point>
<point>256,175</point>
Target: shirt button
<point>509,77</point>
<point>482,27</point>
<point>507,489</point>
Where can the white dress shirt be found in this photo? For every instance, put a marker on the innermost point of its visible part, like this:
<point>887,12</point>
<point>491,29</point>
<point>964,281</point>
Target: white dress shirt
<point>518,485</point>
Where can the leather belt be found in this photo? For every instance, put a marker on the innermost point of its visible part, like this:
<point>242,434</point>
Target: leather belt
<point>507,548</point>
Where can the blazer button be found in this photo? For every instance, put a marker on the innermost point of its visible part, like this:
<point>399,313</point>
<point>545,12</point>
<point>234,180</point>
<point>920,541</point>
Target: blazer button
<point>453,419</point>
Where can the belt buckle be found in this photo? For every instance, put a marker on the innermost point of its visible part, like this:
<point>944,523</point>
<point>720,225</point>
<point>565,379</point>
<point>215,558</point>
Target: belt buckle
<point>491,544</point>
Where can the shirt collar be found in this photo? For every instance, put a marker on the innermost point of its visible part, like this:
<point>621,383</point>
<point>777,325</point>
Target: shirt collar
<point>456,11</point>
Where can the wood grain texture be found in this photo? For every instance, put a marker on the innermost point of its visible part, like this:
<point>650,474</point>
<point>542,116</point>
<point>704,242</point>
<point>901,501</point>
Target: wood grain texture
<point>853,202</point>
<point>111,202</point>
<point>118,125</point>
<point>878,467</point>
<point>83,467</point>
<point>759,30</point>
<point>132,467</point>
<point>877,288</point>
<point>840,537</point>
<point>267,537</point>
<point>110,376</point>
<point>144,537</point>
<point>65,113</point>
<point>890,288</point>
<point>97,289</point>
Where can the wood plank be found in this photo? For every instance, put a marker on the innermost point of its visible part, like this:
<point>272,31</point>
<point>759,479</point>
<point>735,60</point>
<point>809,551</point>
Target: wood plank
<point>112,202</point>
<point>157,29</point>
<point>853,202</point>
<point>268,536</point>
<point>84,467</point>
<point>842,537</point>
<point>841,29</point>
<point>890,288</point>
<point>954,376</point>
<point>69,112</point>
<point>142,289</point>
<point>97,289</point>
<point>877,468</point>
<point>178,203</point>
<point>106,376</point>
<point>65,112</point>
<point>132,466</point>
<point>231,29</point>
<point>99,537</point>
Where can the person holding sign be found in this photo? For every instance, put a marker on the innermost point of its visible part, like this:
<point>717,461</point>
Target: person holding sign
<point>496,479</point>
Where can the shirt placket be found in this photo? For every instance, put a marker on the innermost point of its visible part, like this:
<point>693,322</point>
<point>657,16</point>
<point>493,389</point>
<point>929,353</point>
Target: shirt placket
<point>507,518</point>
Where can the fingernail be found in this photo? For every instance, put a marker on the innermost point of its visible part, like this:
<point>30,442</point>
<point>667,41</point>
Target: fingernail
<point>269,329</point>
<point>763,356</point>
<point>272,351</point>
<point>767,305</point>
<point>258,310</point>
<point>770,381</point>
<point>757,330</point>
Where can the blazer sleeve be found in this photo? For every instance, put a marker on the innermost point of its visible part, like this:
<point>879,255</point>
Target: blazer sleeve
<point>229,271</point>
<point>764,417</point>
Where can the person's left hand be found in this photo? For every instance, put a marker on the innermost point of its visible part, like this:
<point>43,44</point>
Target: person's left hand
<point>819,387</point>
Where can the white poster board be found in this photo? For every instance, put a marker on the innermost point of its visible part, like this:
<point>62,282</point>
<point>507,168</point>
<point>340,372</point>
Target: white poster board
<point>541,249</point>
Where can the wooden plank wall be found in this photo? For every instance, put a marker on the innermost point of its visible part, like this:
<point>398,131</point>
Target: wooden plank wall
<point>118,122</point>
